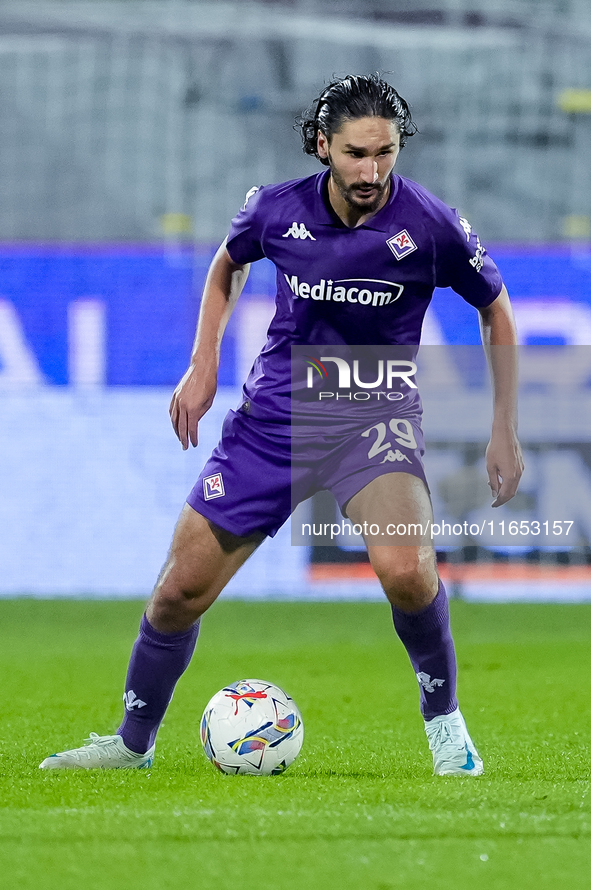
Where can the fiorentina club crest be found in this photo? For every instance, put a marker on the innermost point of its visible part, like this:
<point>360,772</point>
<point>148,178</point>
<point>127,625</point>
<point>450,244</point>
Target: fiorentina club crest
<point>213,487</point>
<point>401,244</point>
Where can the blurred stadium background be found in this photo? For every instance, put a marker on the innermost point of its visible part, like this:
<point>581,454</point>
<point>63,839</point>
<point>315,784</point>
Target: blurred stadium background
<point>131,130</point>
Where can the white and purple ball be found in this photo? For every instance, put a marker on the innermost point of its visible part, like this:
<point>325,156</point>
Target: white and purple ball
<point>252,728</point>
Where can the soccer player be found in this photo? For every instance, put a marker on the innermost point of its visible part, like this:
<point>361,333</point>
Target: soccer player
<point>358,250</point>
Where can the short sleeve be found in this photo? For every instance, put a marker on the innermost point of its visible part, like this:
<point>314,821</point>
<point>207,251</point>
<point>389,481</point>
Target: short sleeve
<point>244,240</point>
<point>463,263</point>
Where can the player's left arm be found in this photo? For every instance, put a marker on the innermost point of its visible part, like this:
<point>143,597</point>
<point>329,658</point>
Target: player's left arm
<point>504,460</point>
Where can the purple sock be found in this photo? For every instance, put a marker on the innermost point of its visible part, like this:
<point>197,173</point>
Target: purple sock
<point>427,638</point>
<point>157,661</point>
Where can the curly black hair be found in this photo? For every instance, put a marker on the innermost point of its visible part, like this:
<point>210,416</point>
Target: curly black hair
<point>350,98</point>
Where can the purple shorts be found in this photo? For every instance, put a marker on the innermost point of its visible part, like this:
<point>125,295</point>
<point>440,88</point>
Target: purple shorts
<point>258,473</point>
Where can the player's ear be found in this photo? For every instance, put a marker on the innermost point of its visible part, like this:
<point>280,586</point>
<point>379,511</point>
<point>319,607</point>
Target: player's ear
<point>322,145</point>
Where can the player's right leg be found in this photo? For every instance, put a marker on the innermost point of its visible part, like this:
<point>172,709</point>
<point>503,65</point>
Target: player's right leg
<point>408,574</point>
<point>201,561</point>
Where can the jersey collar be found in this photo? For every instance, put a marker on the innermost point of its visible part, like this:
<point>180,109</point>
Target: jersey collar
<point>325,215</point>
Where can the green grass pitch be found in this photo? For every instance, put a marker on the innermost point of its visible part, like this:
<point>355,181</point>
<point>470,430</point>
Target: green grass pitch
<point>359,808</point>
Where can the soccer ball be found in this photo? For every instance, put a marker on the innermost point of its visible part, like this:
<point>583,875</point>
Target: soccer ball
<point>252,728</point>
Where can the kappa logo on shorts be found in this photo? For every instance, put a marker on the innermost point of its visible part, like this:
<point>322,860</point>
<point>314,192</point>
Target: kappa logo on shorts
<point>393,456</point>
<point>401,244</point>
<point>213,487</point>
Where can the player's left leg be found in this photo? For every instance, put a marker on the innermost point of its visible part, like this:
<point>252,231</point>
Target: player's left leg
<point>408,574</point>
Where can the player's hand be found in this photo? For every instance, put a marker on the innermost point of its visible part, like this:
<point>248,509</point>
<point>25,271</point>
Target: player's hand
<point>191,399</point>
<point>504,464</point>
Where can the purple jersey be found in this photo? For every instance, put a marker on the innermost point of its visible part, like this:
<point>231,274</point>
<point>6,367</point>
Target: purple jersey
<point>339,285</point>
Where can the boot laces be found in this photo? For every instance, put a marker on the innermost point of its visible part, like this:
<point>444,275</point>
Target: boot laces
<point>445,733</point>
<point>105,746</point>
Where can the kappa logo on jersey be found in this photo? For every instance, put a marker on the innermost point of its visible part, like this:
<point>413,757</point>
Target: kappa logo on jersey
<point>299,231</point>
<point>340,291</point>
<point>401,244</point>
<point>249,195</point>
<point>213,487</point>
<point>466,227</point>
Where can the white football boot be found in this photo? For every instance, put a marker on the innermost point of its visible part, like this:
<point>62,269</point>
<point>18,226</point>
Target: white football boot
<point>454,753</point>
<point>101,752</point>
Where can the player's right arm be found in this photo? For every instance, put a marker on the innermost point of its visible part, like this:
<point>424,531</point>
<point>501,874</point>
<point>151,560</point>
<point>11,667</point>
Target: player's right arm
<point>196,391</point>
